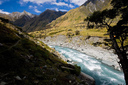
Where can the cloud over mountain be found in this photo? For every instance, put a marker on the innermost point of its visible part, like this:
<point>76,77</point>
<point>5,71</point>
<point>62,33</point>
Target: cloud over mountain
<point>4,12</point>
<point>78,2</point>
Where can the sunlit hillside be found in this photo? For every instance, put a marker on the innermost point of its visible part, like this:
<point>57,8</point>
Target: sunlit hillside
<point>73,21</point>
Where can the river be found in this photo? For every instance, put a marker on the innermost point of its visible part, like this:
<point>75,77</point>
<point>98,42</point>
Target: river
<point>103,74</point>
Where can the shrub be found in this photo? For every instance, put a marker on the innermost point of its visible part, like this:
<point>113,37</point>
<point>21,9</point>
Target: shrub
<point>77,69</point>
<point>77,32</point>
<point>69,29</point>
<point>70,34</point>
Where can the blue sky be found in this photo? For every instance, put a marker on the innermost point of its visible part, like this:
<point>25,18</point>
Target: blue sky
<point>38,6</point>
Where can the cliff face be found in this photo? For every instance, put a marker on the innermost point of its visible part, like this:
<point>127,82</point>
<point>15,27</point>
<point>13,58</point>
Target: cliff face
<point>95,5</point>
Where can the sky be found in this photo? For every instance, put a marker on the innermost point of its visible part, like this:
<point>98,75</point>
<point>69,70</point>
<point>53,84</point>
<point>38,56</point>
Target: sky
<point>38,6</point>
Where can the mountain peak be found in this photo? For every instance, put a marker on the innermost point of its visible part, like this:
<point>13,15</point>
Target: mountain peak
<point>49,10</point>
<point>16,15</point>
<point>42,20</point>
<point>26,13</point>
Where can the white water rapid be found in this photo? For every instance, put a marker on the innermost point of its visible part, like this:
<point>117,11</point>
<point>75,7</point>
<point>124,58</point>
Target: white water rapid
<point>103,74</point>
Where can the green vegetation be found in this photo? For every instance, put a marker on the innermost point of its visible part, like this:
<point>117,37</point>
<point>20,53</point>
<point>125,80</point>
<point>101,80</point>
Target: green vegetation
<point>73,21</point>
<point>77,32</point>
<point>52,33</point>
<point>75,17</point>
<point>23,62</point>
<point>70,34</point>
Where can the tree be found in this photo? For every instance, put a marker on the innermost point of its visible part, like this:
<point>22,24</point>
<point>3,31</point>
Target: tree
<point>118,33</point>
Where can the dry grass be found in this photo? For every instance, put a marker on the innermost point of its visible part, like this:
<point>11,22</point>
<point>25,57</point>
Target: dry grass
<point>64,31</point>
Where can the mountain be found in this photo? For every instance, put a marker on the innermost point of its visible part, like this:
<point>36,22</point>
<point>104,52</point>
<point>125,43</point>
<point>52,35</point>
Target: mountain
<point>21,18</point>
<point>75,17</point>
<point>72,23</point>
<point>25,62</point>
<point>17,15</point>
<point>39,22</point>
<point>18,18</point>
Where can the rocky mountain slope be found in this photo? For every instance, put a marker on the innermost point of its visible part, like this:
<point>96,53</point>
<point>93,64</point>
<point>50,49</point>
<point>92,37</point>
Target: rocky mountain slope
<point>18,18</point>
<point>72,23</point>
<point>42,20</point>
<point>21,18</point>
<point>75,17</point>
<point>17,15</point>
<point>30,22</point>
<point>24,62</point>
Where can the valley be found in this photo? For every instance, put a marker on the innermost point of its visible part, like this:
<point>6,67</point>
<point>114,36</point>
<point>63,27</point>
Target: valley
<point>57,47</point>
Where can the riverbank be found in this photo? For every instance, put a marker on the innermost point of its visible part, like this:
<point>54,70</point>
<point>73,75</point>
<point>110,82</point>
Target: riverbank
<point>106,56</point>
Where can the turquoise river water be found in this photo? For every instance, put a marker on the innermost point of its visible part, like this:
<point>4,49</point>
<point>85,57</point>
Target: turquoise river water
<point>103,74</point>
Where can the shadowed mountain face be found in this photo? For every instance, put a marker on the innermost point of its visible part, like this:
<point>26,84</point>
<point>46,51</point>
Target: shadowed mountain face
<point>39,22</point>
<point>22,21</point>
<point>21,18</point>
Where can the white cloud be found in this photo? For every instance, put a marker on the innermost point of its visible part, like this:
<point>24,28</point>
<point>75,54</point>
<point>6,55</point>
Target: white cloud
<point>63,10</point>
<point>35,8</point>
<point>22,3</point>
<point>32,7</point>
<point>71,6</point>
<point>38,1</point>
<point>4,12</point>
<point>56,9</point>
<point>0,2</point>
<point>37,11</point>
<point>60,4</point>
<point>63,4</point>
<point>66,0</point>
<point>78,2</point>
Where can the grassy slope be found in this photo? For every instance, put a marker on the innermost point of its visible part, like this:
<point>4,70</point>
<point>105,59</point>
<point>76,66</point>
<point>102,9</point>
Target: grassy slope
<point>74,20</point>
<point>23,62</point>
